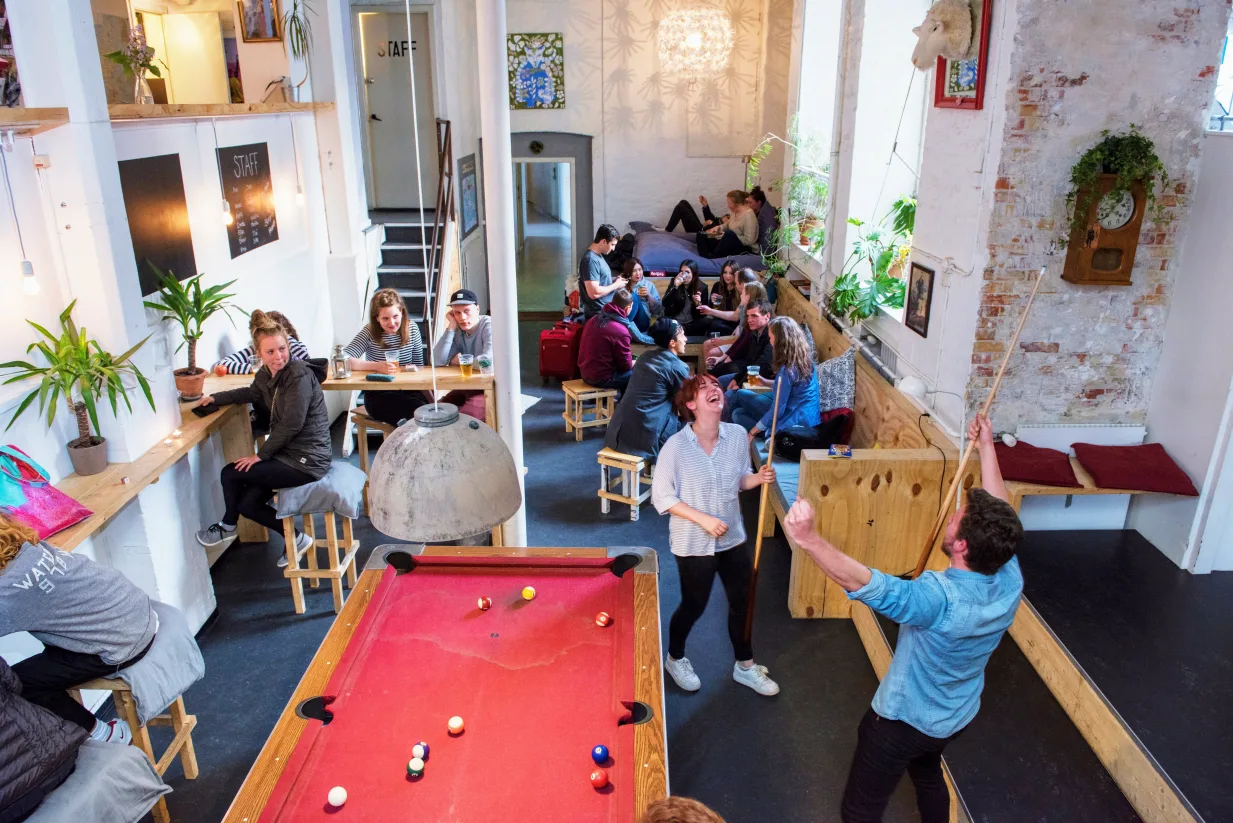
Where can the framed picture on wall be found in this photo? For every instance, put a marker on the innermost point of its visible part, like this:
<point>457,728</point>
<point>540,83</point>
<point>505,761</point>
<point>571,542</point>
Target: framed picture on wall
<point>468,195</point>
<point>535,65</point>
<point>919,299</point>
<point>960,84</point>
<point>260,21</point>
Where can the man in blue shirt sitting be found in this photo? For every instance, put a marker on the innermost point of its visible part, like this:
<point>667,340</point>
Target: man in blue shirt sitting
<point>951,622</point>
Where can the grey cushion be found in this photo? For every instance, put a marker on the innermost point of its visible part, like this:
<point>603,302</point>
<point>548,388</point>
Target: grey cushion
<point>173,664</point>
<point>340,491</point>
<point>111,784</point>
<point>787,475</point>
<point>837,382</point>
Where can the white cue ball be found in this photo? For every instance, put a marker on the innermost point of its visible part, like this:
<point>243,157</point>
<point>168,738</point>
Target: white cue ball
<point>455,724</point>
<point>337,796</point>
<point>417,751</point>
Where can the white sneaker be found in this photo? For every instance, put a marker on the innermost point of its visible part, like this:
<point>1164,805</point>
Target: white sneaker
<point>682,672</point>
<point>216,535</point>
<point>302,543</point>
<point>755,678</point>
<point>113,731</point>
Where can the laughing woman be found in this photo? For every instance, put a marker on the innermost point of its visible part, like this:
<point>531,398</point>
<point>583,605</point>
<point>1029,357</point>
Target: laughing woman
<point>297,450</point>
<point>389,343</point>
<point>702,470</point>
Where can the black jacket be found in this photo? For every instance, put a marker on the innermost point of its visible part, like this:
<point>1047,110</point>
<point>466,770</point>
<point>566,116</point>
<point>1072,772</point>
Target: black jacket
<point>678,297</point>
<point>37,749</point>
<point>299,423</point>
<point>644,418</point>
<point>750,349</point>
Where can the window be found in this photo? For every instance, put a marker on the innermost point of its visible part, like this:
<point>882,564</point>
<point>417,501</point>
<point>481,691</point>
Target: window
<point>1221,112</point>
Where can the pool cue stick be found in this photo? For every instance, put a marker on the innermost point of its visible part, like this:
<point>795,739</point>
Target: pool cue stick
<point>943,513</point>
<point>766,492</point>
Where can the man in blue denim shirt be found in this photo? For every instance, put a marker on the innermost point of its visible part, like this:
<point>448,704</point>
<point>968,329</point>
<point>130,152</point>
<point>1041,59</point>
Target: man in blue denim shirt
<point>951,622</point>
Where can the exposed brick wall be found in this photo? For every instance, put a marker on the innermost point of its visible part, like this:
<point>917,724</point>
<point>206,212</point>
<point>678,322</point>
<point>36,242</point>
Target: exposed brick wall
<point>1088,353</point>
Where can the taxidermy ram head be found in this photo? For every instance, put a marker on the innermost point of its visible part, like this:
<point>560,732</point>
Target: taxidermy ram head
<point>947,31</point>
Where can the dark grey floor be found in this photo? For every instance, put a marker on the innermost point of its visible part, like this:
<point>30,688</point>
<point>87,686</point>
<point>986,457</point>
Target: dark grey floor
<point>1157,642</point>
<point>754,759</point>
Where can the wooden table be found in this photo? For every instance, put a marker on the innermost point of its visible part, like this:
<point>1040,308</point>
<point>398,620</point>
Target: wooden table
<point>449,378</point>
<point>373,618</point>
<point>107,492</point>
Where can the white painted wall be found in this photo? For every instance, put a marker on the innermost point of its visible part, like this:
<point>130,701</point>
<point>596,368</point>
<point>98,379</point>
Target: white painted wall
<point>260,63</point>
<point>1196,362</point>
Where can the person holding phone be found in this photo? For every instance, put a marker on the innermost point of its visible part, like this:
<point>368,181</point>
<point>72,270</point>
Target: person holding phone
<point>387,344</point>
<point>595,283</point>
<point>647,305</point>
<point>739,235</point>
<point>685,298</point>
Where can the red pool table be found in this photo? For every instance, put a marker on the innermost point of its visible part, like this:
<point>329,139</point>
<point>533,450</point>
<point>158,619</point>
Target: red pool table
<point>538,683</point>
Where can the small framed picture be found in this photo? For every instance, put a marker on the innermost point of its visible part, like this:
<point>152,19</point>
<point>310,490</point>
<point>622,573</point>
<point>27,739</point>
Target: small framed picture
<point>960,84</point>
<point>468,189</point>
<point>260,21</point>
<point>919,299</point>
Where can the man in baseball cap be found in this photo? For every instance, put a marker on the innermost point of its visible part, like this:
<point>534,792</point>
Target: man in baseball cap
<point>467,332</point>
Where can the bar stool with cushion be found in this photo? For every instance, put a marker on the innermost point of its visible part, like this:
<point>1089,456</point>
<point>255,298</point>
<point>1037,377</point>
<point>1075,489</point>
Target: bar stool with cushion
<point>577,394</point>
<point>359,416</point>
<point>633,471</point>
<point>156,684</point>
<point>339,494</point>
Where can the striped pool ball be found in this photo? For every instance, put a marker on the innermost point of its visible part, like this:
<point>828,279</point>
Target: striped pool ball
<point>485,603</point>
<point>603,619</point>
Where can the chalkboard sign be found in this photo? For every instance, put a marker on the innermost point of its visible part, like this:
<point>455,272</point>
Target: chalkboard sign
<point>157,218</point>
<point>247,187</point>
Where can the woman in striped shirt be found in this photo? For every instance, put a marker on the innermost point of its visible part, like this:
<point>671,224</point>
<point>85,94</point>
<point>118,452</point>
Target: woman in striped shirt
<point>701,472</point>
<point>389,343</point>
<point>245,361</point>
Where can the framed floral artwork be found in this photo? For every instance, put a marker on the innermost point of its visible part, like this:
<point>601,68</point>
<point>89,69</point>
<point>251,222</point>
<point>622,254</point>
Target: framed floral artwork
<point>536,65</point>
<point>960,84</point>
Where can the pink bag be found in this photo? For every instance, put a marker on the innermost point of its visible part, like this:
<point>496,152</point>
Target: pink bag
<point>27,496</point>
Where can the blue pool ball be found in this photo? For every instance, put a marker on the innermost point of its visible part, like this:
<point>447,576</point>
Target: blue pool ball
<point>600,755</point>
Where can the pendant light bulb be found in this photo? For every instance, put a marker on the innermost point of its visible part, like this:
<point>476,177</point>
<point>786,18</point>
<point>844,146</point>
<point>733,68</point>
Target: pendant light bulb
<point>299,194</point>
<point>29,283</point>
<point>227,218</point>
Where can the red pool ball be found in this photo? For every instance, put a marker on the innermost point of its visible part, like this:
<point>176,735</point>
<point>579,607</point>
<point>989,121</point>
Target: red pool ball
<point>485,603</point>
<point>603,619</point>
<point>599,778</point>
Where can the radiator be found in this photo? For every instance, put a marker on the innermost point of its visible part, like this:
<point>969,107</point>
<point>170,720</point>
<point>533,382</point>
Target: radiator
<point>1078,512</point>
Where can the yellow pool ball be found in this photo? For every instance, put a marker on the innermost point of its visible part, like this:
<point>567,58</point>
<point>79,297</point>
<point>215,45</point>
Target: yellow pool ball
<point>528,593</point>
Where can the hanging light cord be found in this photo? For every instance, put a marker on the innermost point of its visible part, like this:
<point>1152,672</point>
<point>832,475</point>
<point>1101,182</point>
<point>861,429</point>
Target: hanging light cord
<point>419,187</point>
<point>218,163</point>
<point>295,155</point>
<point>8,185</point>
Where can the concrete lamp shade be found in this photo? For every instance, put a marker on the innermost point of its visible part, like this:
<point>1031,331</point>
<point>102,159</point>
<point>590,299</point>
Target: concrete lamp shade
<point>442,476</point>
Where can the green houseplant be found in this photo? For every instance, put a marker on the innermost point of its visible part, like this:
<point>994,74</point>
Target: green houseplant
<point>298,33</point>
<point>805,191</point>
<point>81,373</point>
<point>880,252</point>
<point>191,306</point>
<point>1131,156</point>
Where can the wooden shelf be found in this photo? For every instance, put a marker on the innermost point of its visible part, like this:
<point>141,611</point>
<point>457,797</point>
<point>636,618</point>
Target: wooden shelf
<point>28,122</point>
<point>132,111</point>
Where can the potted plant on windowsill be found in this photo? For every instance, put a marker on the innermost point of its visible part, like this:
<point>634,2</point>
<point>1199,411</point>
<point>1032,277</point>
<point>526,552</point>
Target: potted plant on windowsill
<point>885,252</point>
<point>81,373</point>
<point>805,191</point>
<point>190,306</point>
<point>298,37</point>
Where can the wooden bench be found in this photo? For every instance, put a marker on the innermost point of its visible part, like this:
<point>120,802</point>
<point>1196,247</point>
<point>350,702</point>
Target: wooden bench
<point>632,472</point>
<point>577,394</point>
<point>692,355</point>
<point>1019,490</point>
<point>109,491</point>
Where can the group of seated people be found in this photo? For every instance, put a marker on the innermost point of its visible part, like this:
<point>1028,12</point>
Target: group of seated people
<point>745,229</point>
<point>765,359</point>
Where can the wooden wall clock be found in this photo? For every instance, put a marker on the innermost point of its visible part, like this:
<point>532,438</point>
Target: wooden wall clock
<point>1104,240</point>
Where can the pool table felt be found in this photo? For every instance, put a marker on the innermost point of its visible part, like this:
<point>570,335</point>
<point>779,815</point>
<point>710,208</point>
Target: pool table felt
<point>538,683</point>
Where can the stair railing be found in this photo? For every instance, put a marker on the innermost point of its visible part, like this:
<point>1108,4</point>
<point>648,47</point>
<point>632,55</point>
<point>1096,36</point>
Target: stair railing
<point>444,212</point>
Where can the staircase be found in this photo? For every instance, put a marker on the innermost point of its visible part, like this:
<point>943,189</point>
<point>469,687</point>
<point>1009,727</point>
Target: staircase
<point>408,237</point>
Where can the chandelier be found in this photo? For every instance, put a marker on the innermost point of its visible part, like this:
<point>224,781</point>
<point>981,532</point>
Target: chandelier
<point>695,42</point>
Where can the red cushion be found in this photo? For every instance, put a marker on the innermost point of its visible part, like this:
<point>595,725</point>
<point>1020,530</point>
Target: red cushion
<point>1142,468</point>
<point>842,422</point>
<point>1032,464</point>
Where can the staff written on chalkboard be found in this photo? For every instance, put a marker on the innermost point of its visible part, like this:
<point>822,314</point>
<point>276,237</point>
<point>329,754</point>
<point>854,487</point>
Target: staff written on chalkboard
<point>249,192</point>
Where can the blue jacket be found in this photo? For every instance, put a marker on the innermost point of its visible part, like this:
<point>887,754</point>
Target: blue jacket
<point>644,418</point>
<point>951,623</point>
<point>798,401</point>
<point>644,312</point>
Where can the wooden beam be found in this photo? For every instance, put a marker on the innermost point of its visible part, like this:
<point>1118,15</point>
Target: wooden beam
<point>1132,767</point>
<point>29,122</point>
<point>134,111</point>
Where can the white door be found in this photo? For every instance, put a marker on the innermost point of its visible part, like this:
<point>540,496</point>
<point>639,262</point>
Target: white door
<point>195,57</point>
<point>387,52</point>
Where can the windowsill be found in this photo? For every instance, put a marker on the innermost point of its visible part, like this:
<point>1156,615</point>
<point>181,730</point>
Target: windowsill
<point>132,111</point>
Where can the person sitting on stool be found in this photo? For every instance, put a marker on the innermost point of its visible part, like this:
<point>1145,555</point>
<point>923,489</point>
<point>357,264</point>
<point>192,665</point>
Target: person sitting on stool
<point>466,332</point>
<point>604,356</point>
<point>644,418</point>
<point>297,450</point>
<point>951,622</point>
<point>92,621</point>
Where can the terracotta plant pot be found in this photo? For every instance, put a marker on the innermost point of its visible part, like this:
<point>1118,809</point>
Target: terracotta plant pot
<point>90,457</point>
<point>189,383</point>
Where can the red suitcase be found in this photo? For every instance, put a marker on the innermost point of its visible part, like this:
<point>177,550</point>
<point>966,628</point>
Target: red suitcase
<point>558,351</point>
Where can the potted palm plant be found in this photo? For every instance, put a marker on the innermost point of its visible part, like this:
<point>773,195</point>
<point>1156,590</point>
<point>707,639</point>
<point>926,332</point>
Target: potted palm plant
<point>79,371</point>
<point>191,306</point>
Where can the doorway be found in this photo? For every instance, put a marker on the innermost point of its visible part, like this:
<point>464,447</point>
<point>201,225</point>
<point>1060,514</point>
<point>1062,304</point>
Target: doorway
<point>544,233</point>
<point>385,54</point>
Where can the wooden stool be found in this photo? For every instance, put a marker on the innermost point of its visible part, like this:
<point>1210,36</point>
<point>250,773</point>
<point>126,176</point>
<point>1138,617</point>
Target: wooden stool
<point>337,562</point>
<point>633,473</point>
<point>359,416</point>
<point>577,393</point>
<point>180,721</point>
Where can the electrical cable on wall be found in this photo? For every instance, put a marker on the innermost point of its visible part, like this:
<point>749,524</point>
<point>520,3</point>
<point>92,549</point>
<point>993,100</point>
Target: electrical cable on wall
<point>895,147</point>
